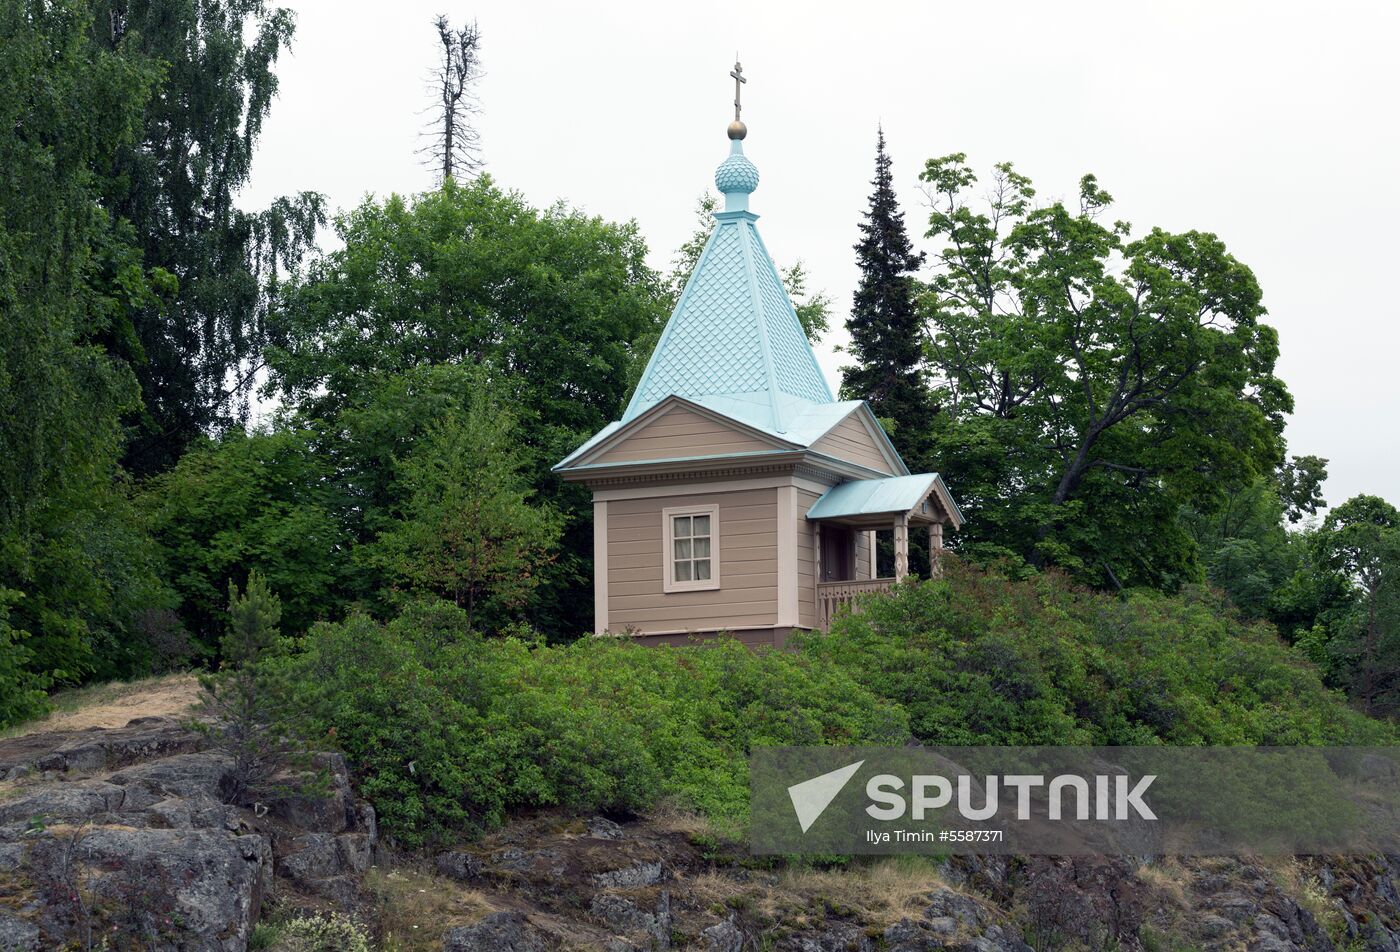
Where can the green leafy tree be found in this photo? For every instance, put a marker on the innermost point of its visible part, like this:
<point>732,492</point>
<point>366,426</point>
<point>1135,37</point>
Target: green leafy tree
<point>73,563</point>
<point>1249,551</point>
<point>1360,539</point>
<point>242,695</point>
<point>21,689</point>
<point>549,304</point>
<point>197,352</point>
<point>1093,384</point>
<point>1300,486</point>
<point>469,530</point>
<point>266,501</point>
<point>887,336</point>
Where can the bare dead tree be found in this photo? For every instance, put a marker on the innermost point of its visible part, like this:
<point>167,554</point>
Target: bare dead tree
<point>453,144</point>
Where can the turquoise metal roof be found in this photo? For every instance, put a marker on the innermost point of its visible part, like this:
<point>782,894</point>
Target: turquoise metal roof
<point>872,497</point>
<point>734,333</point>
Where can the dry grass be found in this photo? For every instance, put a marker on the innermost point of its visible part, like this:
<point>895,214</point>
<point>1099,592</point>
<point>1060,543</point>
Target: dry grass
<point>114,703</point>
<point>1302,885</point>
<point>667,817</point>
<point>414,907</point>
<point>878,893</point>
<point>1167,881</point>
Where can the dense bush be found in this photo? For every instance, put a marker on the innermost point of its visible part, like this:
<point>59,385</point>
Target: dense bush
<point>449,732</point>
<point>977,658</point>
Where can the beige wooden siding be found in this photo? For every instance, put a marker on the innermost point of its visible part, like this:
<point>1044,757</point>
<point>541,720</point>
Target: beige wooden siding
<point>862,554</point>
<point>806,567</point>
<point>681,432</point>
<point>748,552</point>
<point>850,440</point>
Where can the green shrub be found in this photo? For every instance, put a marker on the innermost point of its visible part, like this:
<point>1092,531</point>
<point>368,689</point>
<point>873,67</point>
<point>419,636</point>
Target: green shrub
<point>979,658</point>
<point>331,932</point>
<point>449,732</point>
<point>21,691</point>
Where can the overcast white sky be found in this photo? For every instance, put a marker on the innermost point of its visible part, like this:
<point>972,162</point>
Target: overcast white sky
<point>1272,124</point>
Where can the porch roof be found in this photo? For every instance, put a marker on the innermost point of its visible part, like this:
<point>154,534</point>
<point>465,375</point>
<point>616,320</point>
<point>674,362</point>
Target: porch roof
<point>892,495</point>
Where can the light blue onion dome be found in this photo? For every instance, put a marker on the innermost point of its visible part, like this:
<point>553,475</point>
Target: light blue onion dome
<point>736,177</point>
<point>736,174</point>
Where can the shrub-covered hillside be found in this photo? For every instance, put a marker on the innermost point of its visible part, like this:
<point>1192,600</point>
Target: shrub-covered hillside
<point>978,658</point>
<point>451,732</point>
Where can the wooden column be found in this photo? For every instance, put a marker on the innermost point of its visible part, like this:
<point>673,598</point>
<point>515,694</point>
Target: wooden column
<point>872,550</point>
<point>600,566</point>
<point>901,547</point>
<point>817,572</point>
<point>935,549</point>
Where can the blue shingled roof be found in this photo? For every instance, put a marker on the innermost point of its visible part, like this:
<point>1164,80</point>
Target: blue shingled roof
<point>872,497</point>
<point>734,333</point>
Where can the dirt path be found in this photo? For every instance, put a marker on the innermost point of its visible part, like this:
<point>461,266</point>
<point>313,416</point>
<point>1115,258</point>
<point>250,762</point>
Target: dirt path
<point>113,705</point>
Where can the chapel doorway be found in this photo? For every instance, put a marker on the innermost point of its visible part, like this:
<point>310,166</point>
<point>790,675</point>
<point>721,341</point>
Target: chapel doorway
<point>838,554</point>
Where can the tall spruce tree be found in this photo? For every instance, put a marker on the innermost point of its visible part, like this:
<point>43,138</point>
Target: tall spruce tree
<point>886,336</point>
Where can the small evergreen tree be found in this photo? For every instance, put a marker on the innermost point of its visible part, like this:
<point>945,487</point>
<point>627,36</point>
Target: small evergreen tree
<point>470,530</point>
<point>241,696</point>
<point>886,335</point>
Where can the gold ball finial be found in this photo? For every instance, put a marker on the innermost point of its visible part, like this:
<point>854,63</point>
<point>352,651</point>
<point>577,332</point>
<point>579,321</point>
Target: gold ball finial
<point>737,130</point>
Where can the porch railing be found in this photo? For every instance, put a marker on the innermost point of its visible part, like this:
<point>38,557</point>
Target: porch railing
<point>832,595</point>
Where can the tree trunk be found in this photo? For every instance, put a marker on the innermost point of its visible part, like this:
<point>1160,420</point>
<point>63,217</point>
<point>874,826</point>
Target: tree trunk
<point>1068,483</point>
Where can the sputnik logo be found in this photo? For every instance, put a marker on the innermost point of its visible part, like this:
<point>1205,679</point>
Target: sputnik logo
<point>810,798</point>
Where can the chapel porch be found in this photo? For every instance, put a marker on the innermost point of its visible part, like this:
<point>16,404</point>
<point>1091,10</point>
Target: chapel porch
<point>845,521</point>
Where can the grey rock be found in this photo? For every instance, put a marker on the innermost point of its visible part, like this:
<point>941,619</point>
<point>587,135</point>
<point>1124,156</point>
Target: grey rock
<point>624,914</point>
<point>1003,941</point>
<point>498,932</point>
<point>906,935</point>
<point>943,926</point>
<point>962,911</point>
<point>17,935</point>
<point>630,877</point>
<point>211,882</point>
<point>329,811</point>
<point>458,865</point>
<point>549,862</point>
<point>842,937</point>
<point>601,828</point>
<point>621,914</point>
<point>1210,926</point>
<point>1235,907</point>
<point>315,859</point>
<point>722,937</point>
<point>64,801</point>
<point>184,775</point>
<point>143,738</point>
<point>1271,943</point>
<point>155,842</point>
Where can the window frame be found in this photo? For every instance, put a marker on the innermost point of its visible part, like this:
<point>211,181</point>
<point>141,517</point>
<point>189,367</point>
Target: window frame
<point>668,522</point>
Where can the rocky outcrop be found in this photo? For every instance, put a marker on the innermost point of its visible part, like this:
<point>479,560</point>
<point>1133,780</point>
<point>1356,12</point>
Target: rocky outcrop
<point>596,883</point>
<point>125,834</point>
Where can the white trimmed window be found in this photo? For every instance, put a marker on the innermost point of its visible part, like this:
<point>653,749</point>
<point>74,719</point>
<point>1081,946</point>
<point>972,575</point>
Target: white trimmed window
<point>692,548</point>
